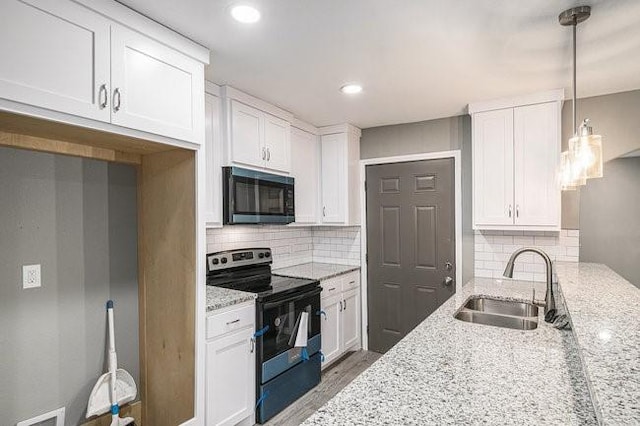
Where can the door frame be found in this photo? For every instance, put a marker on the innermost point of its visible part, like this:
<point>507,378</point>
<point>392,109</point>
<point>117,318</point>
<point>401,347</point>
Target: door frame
<point>457,166</point>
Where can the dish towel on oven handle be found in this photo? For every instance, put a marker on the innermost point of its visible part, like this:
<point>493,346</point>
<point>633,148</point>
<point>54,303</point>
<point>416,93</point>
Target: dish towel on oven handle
<point>300,333</point>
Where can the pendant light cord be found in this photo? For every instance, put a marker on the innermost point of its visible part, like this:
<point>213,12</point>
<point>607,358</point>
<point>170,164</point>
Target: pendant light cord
<point>574,26</point>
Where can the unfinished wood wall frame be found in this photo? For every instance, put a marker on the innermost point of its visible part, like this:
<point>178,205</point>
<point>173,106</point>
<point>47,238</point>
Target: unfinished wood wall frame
<point>167,251</point>
<point>167,265</point>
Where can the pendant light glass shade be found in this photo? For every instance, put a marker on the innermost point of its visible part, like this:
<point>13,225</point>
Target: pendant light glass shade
<point>571,174</point>
<point>586,152</point>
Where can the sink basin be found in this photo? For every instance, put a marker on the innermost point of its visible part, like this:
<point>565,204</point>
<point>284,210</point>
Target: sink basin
<point>499,313</point>
<point>501,307</point>
<point>497,320</point>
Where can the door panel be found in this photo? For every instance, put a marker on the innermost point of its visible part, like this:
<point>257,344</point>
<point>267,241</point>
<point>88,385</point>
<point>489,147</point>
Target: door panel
<point>410,238</point>
<point>277,142</point>
<point>213,162</point>
<point>537,198</point>
<point>246,135</point>
<point>55,55</point>
<point>305,167</point>
<point>493,167</point>
<point>161,90</point>
<point>334,201</point>
<point>350,319</point>
<point>330,327</point>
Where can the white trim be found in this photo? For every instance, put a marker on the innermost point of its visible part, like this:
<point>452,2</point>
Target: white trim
<point>58,415</point>
<point>456,155</point>
<point>303,125</point>
<point>556,95</point>
<point>340,128</point>
<point>229,92</point>
<point>136,21</point>
<point>211,88</point>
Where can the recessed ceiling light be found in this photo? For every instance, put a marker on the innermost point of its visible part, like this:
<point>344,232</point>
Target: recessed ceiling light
<point>351,89</point>
<point>245,14</point>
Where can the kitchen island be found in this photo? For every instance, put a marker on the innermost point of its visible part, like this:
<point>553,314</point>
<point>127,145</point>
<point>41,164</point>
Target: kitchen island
<point>448,371</point>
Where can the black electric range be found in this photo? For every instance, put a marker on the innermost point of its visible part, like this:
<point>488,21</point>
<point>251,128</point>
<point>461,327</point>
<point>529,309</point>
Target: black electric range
<point>283,372</point>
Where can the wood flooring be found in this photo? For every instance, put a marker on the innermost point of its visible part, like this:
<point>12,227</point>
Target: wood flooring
<point>334,379</point>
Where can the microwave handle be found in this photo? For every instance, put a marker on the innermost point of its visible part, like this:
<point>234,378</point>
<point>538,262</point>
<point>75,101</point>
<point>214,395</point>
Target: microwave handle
<point>275,303</point>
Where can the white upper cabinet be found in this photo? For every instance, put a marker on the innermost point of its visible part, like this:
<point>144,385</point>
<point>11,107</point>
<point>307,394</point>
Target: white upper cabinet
<point>493,167</point>
<point>277,143</point>
<point>257,134</point>
<point>66,57</point>
<point>213,161</point>
<point>340,171</point>
<point>154,88</point>
<point>305,168</point>
<point>55,55</point>
<point>516,153</point>
<point>247,135</point>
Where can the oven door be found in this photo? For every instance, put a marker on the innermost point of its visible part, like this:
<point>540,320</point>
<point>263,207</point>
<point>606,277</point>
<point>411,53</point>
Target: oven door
<point>256,197</point>
<point>281,317</point>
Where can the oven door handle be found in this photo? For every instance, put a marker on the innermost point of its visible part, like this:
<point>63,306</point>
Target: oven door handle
<point>305,295</point>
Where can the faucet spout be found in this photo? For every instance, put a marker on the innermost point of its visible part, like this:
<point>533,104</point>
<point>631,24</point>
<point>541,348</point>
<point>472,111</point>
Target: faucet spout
<point>549,299</point>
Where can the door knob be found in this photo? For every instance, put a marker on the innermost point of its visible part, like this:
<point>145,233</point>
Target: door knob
<point>448,281</point>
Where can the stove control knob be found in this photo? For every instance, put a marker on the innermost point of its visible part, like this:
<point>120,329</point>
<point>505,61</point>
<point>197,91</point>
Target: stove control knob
<point>215,261</point>
<point>261,255</point>
<point>223,260</point>
<point>267,254</point>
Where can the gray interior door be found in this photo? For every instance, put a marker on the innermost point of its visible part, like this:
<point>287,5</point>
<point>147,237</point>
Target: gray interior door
<point>410,246</point>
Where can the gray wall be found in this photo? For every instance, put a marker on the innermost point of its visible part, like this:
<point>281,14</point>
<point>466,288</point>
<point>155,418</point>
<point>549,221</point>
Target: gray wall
<point>430,136</point>
<point>610,219</point>
<point>615,117</point>
<point>77,218</point>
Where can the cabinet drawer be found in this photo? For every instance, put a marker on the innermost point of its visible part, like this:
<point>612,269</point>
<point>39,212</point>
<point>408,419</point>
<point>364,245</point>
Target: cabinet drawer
<point>331,287</point>
<point>351,280</point>
<point>222,323</point>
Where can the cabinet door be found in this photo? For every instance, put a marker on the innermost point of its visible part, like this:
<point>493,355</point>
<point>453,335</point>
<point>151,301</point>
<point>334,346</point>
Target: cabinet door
<point>155,88</point>
<point>334,182</point>
<point>230,391</point>
<point>55,55</point>
<point>213,162</point>
<point>351,319</point>
<point>330,327</point>
<point>277,142</point>
<point>493,167</point>
<point>246,135</point>
<point>537,152</point>
<point>305,168</point>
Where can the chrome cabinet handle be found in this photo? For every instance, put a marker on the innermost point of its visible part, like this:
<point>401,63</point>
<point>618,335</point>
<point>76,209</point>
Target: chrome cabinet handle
<point>116,100</point>
<point>332,288</point>
<point>509,210</point>
<point>517,210</point>
<point>345,304</point>
<point>268,154</point>
<point>264,153</point>
<point>253,345</point>
<point>102,94</point>
<point>340,306</point>
<point>324,211</point>
<point>233,322</point>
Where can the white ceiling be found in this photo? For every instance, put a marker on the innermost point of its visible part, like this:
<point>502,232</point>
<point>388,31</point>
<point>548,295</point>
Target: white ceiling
<point>417,59</point>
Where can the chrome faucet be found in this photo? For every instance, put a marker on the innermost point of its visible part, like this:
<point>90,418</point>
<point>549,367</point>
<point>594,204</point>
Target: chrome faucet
<point>549,299</point>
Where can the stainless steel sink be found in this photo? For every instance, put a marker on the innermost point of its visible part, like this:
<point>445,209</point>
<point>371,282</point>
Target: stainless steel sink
<point>501,307</point>
<point>499,313</point>
<point>497,320</point>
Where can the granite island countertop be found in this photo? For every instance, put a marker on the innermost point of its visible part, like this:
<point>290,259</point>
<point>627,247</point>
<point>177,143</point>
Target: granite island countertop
<point>448,371</point>
<point>218,297</point>
<point>316,270</point>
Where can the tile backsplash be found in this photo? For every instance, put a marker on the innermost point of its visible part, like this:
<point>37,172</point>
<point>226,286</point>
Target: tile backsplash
<point>493,249</point>
<point>291,245</point>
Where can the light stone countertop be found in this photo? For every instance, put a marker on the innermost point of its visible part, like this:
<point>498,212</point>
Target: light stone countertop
<point>315,270</point>
<point>448,371</point>
<point>218,297</point>
<point>605,316</point>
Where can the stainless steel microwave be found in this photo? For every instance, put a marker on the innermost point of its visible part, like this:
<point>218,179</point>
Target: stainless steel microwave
<point>257,197</point>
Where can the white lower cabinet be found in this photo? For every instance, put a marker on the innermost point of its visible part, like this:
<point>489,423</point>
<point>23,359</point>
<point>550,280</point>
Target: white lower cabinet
<point>341,322</point>
<point>230,365</point>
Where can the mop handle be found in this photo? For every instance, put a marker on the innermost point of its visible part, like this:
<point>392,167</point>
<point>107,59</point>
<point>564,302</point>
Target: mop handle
<point>113,361</point>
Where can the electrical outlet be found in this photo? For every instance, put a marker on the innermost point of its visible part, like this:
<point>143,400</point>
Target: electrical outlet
<point>31,276</point>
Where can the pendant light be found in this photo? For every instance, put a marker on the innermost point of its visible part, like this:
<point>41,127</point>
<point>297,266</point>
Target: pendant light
<point>583,159</point>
